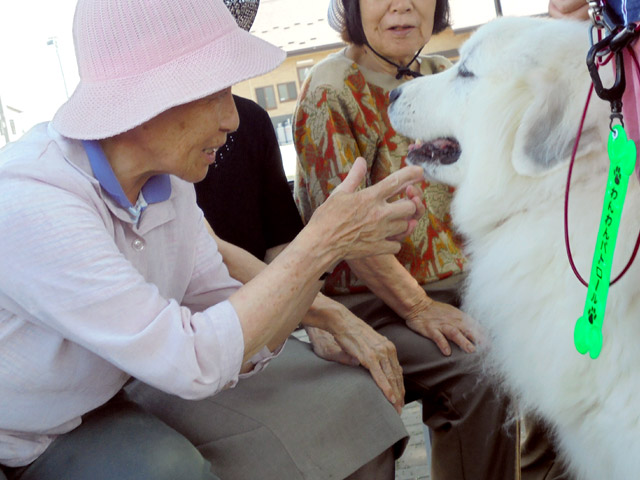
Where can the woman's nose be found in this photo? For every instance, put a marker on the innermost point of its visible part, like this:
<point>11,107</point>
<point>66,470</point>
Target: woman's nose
<point>230,120</point>
<point>401,6</point>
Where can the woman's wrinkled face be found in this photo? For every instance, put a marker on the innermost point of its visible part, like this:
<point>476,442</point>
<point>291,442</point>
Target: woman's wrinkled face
<point>397,29</point>
<point>182,140</point>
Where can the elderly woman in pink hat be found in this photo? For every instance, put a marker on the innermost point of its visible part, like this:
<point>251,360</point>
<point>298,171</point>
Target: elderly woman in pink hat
<point>108,274</point>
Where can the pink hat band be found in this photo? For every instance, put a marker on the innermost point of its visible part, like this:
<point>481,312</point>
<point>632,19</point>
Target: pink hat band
<point>138,58</point>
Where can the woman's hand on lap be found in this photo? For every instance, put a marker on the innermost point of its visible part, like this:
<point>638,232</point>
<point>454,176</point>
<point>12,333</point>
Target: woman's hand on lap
<point>356,343</point>
<point>442,323</point>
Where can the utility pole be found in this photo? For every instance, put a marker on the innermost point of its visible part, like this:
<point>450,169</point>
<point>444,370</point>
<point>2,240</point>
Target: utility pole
<point>498,5</point>
<point>3,124</point>
<point>54,41</point>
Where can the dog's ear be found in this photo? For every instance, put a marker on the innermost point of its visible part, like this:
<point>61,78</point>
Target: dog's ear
<point>546,133</point>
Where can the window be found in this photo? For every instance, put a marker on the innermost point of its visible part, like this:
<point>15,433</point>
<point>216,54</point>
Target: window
<point>303,72</point>
<point>287,91</point>
<point>266,97</point>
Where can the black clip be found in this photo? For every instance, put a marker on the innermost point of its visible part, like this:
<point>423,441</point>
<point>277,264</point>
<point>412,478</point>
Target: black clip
<point>611,44</point>
<point>613,94</point>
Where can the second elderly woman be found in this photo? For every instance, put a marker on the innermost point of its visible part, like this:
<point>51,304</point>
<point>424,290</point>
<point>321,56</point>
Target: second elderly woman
<point>410,297</point>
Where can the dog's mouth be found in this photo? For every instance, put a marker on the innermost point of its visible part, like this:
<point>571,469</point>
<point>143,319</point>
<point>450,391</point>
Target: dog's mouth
<point>444,151</point>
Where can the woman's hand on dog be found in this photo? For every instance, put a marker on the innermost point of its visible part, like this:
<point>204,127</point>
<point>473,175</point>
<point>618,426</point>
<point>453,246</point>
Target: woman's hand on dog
<point>442,323</point>
<point>354,223</point>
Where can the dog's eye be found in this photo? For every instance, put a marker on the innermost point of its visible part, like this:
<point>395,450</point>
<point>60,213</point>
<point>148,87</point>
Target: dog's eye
<point>465,73</point>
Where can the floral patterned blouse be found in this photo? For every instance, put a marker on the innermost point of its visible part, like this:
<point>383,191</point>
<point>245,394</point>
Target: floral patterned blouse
<point>342,114</point>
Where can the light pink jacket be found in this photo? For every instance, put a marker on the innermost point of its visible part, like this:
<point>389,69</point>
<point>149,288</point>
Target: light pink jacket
<point>88,299</point>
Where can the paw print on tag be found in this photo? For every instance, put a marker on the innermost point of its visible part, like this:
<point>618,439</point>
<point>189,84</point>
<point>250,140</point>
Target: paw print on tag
<point>592,315</point>
<point>618,175</point>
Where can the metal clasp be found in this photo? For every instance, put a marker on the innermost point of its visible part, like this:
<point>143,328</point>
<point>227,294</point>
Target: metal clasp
<point>612,44</point>
<point>595,14</point>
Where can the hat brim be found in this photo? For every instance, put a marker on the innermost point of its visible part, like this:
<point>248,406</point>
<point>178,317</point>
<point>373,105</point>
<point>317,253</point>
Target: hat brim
<point>102,109</point>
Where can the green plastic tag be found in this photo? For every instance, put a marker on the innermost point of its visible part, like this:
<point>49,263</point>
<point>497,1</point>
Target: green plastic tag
<point>587,335</point>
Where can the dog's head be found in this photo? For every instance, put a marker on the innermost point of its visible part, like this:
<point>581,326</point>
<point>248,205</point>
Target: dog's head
<point>505,115</point>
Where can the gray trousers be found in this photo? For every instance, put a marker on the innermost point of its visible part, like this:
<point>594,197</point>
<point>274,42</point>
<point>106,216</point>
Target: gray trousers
<point>473,434</point>
<point>118,441</point>
<point>301,418</point>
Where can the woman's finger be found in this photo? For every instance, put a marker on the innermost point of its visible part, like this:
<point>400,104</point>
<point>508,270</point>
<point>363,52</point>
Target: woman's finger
<point>397,226</point>
<point>397,182</point>
<point>403,208</point>
<point>410,227</point>
<point>441,341</point>
<point>354,178</point>
<point>457,336</point>
<point>395,379</point>
<point>383,384</point>
<point>415,195</point>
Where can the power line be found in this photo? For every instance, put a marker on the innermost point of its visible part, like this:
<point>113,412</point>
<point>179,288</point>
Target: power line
<point>54,41</point>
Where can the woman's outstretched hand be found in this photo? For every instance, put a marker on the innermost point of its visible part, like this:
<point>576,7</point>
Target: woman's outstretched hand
<point>365,222</point>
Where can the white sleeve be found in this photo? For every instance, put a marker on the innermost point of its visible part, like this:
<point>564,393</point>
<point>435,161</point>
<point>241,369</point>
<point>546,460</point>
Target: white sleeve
<point>61,267</point>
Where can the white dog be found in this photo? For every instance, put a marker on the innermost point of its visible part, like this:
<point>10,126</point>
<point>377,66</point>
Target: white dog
<point>500,127</point>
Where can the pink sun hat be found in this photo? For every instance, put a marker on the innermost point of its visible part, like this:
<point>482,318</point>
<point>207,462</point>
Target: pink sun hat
<point>138,58</point>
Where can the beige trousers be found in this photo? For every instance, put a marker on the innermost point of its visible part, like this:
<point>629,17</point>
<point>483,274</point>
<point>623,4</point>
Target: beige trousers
<point>539,458</point>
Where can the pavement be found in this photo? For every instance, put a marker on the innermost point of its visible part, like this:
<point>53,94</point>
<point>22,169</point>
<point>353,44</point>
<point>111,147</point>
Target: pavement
<point>413,464</point>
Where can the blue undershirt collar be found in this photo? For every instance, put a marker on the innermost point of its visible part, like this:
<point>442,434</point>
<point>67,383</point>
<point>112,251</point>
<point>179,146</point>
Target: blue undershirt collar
<point>156,189</point>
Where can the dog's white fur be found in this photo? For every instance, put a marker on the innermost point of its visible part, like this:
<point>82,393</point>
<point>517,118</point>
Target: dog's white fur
<point>514,102</point>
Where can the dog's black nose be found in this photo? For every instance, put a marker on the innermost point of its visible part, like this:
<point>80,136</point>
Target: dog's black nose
<point>394,94</point>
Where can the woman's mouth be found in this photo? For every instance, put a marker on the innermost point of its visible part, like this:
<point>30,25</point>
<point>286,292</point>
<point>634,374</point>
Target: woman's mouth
<point>211,154</point>
<point>401,28</point>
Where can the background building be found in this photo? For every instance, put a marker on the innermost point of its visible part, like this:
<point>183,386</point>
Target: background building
<point>12,124</point>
